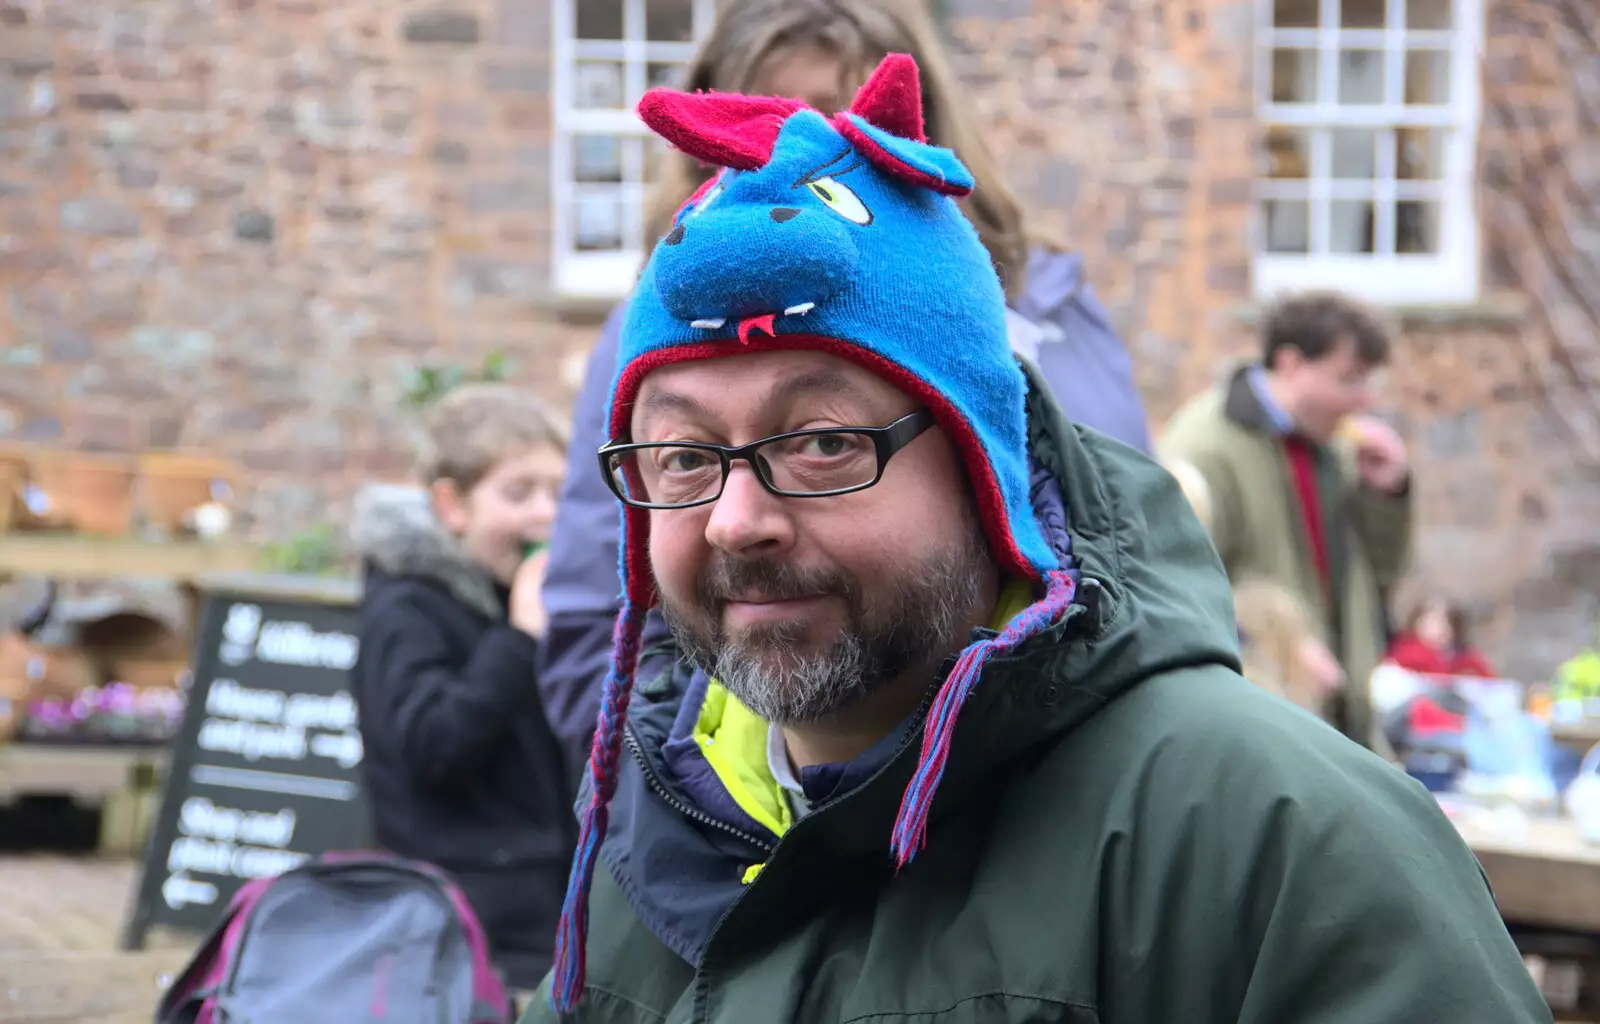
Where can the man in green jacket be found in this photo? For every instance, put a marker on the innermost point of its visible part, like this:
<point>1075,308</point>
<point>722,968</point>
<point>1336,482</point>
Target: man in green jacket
<point>958,733</point>
<point>1307,492</point>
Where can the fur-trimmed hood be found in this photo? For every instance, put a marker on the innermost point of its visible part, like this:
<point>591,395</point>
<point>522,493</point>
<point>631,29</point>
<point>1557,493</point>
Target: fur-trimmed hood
<point>395,531</point>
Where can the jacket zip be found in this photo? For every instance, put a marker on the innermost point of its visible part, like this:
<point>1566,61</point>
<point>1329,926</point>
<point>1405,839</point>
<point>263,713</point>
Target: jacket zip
<point>702,977</point>
<point>692,813</point>
<point>636,747</point>
<point>914,735</point>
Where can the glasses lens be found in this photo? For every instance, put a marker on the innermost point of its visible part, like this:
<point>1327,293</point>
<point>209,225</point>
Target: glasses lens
<point>820,462</point>
<point>666,474</point>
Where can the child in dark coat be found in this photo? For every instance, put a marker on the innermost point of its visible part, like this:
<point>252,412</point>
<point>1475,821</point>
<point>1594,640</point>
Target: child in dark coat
<point>461,765</point>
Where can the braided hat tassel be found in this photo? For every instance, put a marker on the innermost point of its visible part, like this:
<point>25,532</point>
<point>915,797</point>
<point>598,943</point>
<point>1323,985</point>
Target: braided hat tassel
<point>911,825</point>
<point>566,984</point>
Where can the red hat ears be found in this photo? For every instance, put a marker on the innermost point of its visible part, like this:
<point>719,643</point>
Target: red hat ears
<point>722,129</point>
<point>891,99</point>
<point>884,123</point>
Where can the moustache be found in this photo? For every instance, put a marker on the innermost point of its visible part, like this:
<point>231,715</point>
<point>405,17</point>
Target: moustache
<point>736,579</point>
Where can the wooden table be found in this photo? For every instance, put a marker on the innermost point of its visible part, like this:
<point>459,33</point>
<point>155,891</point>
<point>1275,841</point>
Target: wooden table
<point>1547,877</point>
<point>1582,735</point>
<point>1546,882</point>
<point>88,773</point>
<point>77,556</point>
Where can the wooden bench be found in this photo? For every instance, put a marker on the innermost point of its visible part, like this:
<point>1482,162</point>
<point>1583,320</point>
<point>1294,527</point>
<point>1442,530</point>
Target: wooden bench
<point>1546,882</point>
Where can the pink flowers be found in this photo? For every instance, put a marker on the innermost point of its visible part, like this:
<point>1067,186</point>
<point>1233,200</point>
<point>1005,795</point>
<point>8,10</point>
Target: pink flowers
<point>114,713</point>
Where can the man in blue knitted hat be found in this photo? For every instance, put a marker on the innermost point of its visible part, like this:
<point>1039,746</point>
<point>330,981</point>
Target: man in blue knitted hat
<point>958,733</point>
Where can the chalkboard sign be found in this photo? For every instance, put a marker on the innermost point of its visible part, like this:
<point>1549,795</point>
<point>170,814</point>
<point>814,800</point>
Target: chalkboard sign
<point>265,772</point>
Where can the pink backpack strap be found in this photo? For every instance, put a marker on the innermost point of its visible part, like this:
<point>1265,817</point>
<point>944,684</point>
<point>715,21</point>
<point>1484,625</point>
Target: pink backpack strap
<point>187,998</point>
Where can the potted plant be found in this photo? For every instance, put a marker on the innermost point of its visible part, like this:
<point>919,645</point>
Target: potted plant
<point>13,479</point>
<point>312,552</point>
<point>88,492</point>
<point>427,384</point>
<point>172,485</point>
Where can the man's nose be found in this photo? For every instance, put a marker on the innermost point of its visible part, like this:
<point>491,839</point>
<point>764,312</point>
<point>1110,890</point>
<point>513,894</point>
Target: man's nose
<point>748,518</point>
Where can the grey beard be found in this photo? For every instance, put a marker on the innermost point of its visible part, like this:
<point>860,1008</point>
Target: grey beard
<point>921,620</point>
<point>782,685</point>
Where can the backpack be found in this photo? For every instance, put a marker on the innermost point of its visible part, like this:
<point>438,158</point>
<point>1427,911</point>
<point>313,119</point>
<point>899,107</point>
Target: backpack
<point>345,938</point>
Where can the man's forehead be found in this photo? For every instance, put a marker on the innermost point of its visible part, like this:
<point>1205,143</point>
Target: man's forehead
<point>1345,360</point>
<point>736,383</point>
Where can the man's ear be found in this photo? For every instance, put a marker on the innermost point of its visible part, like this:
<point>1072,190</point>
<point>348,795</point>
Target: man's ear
<point>1286,359</point>
<point>449,505</point>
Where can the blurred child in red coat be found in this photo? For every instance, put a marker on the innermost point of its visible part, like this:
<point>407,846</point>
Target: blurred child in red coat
<point>1436,642</point>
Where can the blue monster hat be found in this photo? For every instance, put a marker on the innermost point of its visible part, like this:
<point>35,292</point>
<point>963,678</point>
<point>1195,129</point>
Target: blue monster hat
<point>841,235</point>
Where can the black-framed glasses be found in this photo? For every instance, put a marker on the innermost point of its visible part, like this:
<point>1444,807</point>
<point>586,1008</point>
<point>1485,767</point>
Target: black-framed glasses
<point>819,463</point>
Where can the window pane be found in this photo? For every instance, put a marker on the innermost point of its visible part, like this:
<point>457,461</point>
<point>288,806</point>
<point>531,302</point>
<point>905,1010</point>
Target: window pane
<point>1416,226</point>
<point>596,158</point>
<point>597,85</point>
<point>669,76</point>
<point>1362,13</point>
<point>1296,13</point>
<point>1419,154</point>
<point>1288,152</point>
<point>599,19</point>
<point>1360,76</point>
<point>1355,153</point>
<point>597,222</point>
<point>1294,76</point>
<point>1429,14</point>
<point>668,21</point>
<point>1288,223</point>
<point>1427,77</point>
<point>1350,226</point>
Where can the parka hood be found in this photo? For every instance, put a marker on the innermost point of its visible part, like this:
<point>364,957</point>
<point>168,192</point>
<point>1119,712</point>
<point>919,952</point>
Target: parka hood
<point>1154,598</point>
<point>396,532</point>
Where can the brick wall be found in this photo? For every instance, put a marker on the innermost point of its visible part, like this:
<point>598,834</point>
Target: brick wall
<point>1131,125</point>
<point>237,224</point>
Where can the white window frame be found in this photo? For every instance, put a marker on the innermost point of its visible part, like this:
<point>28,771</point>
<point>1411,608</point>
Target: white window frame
<point>1452,274</point>
<point>604,274</point>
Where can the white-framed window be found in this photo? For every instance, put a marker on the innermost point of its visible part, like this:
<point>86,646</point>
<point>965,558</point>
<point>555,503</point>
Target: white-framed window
<point>606,53</point>
<point>1370,112</point>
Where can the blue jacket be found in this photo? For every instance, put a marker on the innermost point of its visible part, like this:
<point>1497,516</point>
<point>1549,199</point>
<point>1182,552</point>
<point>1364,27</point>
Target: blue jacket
<point>1057,322</point>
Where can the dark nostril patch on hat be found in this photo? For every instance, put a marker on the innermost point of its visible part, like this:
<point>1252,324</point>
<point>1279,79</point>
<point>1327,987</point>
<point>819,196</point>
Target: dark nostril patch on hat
<point>674,236</point>
<point>783,213</point>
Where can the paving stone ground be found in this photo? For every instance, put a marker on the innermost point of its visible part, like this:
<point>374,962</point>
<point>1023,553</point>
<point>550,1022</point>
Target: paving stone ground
<point>59,963</point>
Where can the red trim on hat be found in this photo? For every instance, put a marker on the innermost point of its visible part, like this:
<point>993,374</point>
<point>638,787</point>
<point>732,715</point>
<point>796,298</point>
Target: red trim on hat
<point>699,194</point>
<point>641,588</point>
<point>892,165</point>
<point>985,486</point>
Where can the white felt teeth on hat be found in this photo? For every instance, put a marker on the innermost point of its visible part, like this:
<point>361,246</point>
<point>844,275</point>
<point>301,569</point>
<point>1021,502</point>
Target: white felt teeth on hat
<point>800,310</point>
<point>708,325</point>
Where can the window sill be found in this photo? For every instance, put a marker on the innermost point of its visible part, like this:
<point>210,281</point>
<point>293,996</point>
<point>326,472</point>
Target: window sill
<point>584,309</point>
<point>584,287</point>
<point>1495,311</point>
